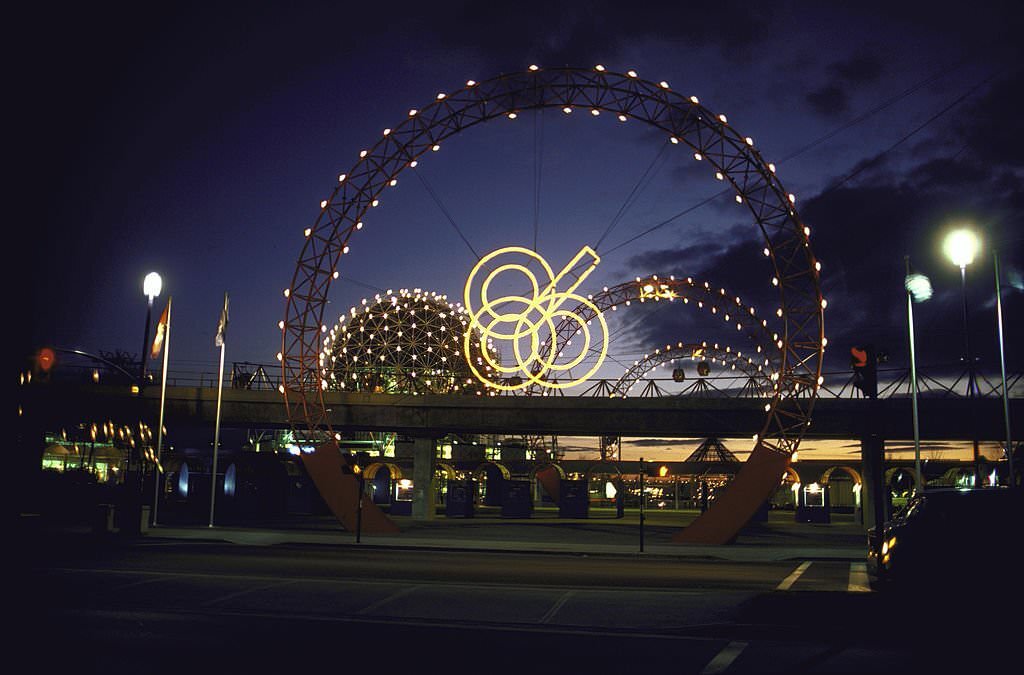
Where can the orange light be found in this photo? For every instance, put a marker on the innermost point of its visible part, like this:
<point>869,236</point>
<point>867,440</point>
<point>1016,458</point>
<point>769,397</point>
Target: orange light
<point>45,359</point>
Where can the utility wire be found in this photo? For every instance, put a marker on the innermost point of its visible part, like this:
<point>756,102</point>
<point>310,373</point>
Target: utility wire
<point>633,195</point>
<point>538,166</point>
<point>906,137</point>
<point>361,283</point>
<point>818,141</point>
<point>437,200</point>
<point>873,111</point>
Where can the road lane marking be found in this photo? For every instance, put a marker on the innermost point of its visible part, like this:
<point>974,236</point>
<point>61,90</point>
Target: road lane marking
<point>724,658</point>
<point>557,606</point>
<point>246,591</point>
<point>402,592</point>
<point>794,575</point>
<point>859,582</point>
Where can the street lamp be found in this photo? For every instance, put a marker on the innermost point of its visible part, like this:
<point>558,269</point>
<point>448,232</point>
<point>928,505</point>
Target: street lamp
<point>151,286</point>
<point>1002,372</point>
<point>960,246</point>
<point>919,289</point>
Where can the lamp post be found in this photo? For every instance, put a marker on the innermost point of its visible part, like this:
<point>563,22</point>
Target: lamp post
<point>960,246</point>
<point>151,286</point>
<point>643,503</point>
<point>1012,481</point>
<point>919,289</point>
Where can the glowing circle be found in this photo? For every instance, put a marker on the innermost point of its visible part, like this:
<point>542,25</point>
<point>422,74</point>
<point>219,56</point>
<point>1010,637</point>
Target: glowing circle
<point>516,319</point>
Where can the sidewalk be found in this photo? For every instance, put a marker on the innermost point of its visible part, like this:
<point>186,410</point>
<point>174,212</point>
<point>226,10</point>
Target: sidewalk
<point>780,539</point>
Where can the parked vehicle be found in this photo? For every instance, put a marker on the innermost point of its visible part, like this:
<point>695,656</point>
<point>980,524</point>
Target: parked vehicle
<point>951,536</point>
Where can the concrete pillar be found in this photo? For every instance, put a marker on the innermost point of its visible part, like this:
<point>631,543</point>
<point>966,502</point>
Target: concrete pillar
<point>424,461</point>
<point>874,500</point>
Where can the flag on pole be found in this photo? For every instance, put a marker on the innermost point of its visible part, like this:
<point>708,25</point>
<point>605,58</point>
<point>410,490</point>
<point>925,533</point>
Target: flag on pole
<point>222,325</point>
<point>161,331</point>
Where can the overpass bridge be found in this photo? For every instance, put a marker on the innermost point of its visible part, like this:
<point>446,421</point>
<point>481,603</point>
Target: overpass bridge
<point>55,405</point>
<point>439,414</point>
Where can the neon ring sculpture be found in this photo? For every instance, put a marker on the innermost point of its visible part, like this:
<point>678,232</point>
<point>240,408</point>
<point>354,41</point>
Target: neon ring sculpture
<point>730,155</point>
<point>528,316</point>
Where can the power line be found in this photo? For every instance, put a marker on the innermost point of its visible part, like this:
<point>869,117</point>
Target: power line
<point>864,165</point>
<point>437,200</point>
<point>633,195</point>
<point>538,166</point>
<point>860,118</point>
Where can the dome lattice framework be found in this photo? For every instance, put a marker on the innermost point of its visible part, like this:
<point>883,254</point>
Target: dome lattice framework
<point>408,342</point>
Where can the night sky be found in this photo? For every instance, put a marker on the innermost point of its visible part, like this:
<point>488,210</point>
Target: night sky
<point>199,141</point>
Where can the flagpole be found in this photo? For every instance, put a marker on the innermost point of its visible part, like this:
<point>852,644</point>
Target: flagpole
<point>918,478</point>
<point>158,473</point>
<point>220,388</point>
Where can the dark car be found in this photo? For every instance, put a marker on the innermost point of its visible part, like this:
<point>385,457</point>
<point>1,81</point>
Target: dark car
<point>947,535</point>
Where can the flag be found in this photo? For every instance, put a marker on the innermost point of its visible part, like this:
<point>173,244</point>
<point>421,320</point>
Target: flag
<point>222,325</point>
<point>161,331</point>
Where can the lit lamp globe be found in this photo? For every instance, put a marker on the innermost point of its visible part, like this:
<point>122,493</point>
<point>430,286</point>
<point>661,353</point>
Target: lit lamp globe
<point>961,246</point>
<point>152,285</point>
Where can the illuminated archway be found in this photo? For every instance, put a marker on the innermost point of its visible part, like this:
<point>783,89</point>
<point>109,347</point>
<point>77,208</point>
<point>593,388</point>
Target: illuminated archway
<point>446,470</point>
<point>550,476</point>
<point>853,473</point>
<point>788,485</point>
<point>394,471</point>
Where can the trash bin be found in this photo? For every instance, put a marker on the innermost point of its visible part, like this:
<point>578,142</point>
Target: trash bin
<point>517,501</point>
<point>813,505</point>
<point>574,500</point>
<point>460,499</point>
<point>103,519</point>
<point>144,520</point>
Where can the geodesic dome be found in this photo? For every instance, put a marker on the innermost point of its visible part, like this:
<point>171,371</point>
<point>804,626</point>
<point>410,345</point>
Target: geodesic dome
<point>410,342</point>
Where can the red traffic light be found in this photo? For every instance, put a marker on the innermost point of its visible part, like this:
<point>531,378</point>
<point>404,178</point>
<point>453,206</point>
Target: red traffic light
<point>45,359</point>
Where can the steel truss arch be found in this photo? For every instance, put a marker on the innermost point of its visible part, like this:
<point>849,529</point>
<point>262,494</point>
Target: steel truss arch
<point>659,288</point>
<point>757,375</point>
<point>731,157</point>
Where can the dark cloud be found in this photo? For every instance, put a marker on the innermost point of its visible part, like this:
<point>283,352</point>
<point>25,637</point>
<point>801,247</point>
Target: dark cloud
<point>829,100</point>
<point>943,173</point>
<point>738,266</point>
<point>900,205</point>
<point>989,128</point>
<point>833,98</point>
<point>856,70</point>
<point>567,34</point>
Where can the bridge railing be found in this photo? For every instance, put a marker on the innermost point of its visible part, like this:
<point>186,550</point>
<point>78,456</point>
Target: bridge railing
<point>936,381</point>
<point>941,380</point>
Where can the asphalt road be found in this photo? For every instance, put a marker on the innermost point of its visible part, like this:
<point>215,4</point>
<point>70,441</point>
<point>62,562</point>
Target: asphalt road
<point>151,605</point>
